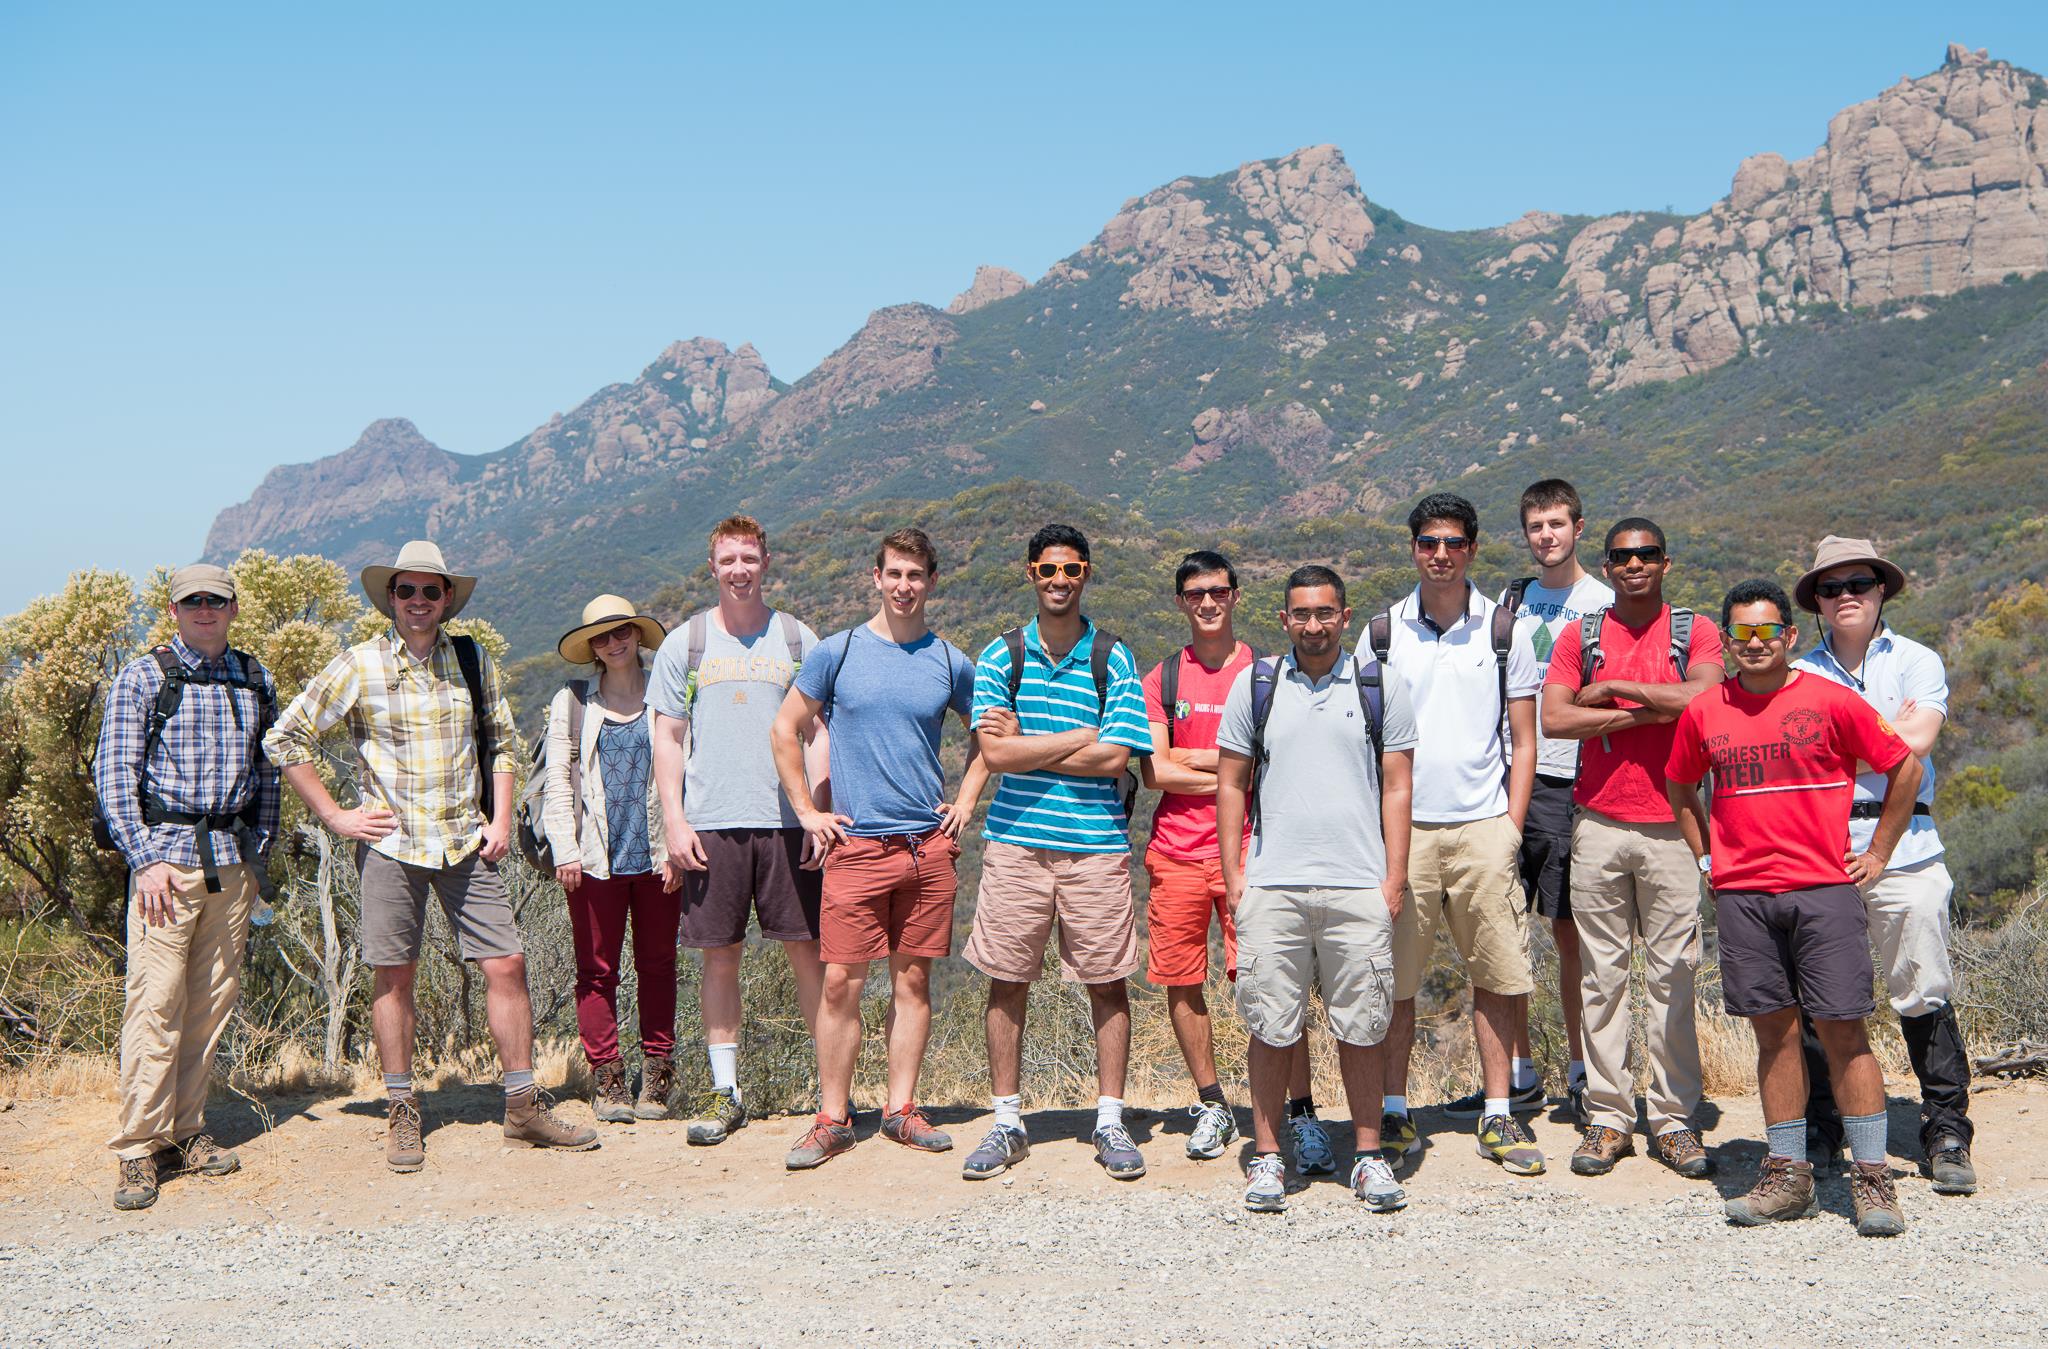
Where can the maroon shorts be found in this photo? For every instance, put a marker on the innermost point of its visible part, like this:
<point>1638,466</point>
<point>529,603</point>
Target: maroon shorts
<point>750,870</point>
<point>888,896</point>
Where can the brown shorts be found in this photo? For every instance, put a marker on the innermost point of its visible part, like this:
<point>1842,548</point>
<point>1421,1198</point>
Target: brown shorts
<point>1465,877</point>
<point>395,908</point>
<point>888,896</point>
<point>750,870</point>
<point>1024,889</point>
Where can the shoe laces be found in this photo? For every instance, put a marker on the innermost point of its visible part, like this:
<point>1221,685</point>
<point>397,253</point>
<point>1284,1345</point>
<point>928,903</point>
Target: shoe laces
<point>1776,1175</point>
<point>138,1170</point>
<point>914,1120</point>
<point>1679,1143</point>
<point>998,1137</point>
<point>1268,1166</point>
<point>198,1145</point>
<point>1873,1185</point>
<point>1373,1168</point>
<point>405,1123</point>
<point>820,1132</point>
<point>1115,1137</point>
<point>1507,1128</point>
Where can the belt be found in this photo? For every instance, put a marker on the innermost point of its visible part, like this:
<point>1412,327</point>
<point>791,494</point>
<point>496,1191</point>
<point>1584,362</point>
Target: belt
<point>1870,810</point>
<point>914,842</point>
<point>203,827</point>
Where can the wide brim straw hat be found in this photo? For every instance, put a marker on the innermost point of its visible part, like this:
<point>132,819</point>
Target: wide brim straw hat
<point>602,615</point>
<point>418,555</point>
<point>1836,551</point>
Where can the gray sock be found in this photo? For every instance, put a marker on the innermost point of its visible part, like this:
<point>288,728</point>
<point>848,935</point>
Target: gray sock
<point>397,1086</point>
<point>1865,1135</point>
<point>1788,1140</point>
<point>518,1081</point>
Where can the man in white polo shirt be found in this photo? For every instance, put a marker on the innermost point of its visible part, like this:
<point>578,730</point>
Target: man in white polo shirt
<point>1471,679</point>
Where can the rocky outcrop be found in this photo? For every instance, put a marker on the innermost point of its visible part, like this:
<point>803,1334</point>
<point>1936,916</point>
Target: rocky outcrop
<point>1235,242</point>
<point>1293,434</point>
<point>1530,225</point>
<point>898,348</point>
<point>391,470</point>
<point>1936,185</point>
<point>990,284</point>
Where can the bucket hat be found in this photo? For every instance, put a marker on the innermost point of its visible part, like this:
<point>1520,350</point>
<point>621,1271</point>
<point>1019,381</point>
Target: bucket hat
<point>1836,551</point>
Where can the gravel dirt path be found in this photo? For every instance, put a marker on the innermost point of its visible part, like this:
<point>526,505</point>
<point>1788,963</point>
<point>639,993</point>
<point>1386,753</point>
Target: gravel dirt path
<point>314,1242</point>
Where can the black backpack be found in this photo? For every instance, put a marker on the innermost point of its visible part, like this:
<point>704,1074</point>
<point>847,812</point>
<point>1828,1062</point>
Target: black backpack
<point>1169,687</point>
<point>1265,678</point>
<point>470,657</point>
<point>1098,667</point>
<point>1379,635</point>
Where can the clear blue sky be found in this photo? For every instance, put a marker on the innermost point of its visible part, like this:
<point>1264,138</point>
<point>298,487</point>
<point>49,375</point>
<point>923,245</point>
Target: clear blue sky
<point>231,236</point>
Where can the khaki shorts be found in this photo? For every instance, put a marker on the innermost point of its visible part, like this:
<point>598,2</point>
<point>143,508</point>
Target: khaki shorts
<point>1465,877</point>
<point>1293,938</point>
<point>395,908</point>
<point>1024,889</point>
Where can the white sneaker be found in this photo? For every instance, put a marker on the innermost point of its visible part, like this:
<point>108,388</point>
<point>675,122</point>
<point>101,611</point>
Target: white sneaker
<point>1267,1190</point>
<point>1312,1155</point>
<point>1373,1181</point>
<point>1215,1130</point>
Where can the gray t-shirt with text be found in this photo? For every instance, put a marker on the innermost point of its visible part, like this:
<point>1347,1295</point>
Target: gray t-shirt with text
<point>731,699</point>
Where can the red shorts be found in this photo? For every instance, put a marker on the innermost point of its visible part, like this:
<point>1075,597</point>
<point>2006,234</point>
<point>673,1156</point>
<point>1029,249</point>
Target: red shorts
<point>1184,896</point>
<point>888,896</point>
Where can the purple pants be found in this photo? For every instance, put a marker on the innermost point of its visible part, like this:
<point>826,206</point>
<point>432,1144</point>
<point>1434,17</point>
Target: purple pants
<point>598,911</point>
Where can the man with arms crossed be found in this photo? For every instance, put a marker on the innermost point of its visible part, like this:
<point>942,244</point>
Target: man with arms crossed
<point>1057,842</point>
<point>1468,812</point>
<point>1632,877</point>
<point>1783,747</point>
<point>1315,901</point>
<point>1908,904</point>
<point>715,688</point>
<point>884,689</point>
<point>406,702</point>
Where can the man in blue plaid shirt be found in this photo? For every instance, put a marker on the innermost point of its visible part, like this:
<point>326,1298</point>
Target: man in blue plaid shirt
<point>194,822</point>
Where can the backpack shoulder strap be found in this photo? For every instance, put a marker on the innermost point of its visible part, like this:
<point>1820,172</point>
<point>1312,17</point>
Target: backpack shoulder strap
<point>1098,667</point>
<point>1169,691</point>
<point>695,635</point>
<point>832,679</point>
<point>1370,696</point>
<point>792,635</point>
<point>1589,644</point>
<point>1265,678</point>
<point>1681,640</point>
<point>1379,635</point>
<point>579,693</point>
<point>470,657</point>
<point>1503,647</point>
<point>1013,640</point>
<point>1511,598</point>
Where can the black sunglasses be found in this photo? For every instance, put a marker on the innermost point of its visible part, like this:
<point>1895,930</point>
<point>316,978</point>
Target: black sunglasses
<point>204,602</point>
<point>1649,552</point>
<point>1853,585</point>
<point>1217,593</point>
<point>1453,543</point>
<point>1073,571</point>
<point>405,590</point>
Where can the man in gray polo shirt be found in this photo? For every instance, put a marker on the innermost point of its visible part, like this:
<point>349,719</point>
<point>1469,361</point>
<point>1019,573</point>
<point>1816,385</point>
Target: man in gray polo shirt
<point>1314,903</point>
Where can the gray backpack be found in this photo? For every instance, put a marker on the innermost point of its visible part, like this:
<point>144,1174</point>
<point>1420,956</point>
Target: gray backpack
<point>531,814</point>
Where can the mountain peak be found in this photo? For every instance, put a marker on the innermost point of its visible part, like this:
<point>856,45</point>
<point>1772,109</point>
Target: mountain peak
<point>990,284</point>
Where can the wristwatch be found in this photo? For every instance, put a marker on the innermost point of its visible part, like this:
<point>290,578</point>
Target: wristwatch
<point>1706,864</point>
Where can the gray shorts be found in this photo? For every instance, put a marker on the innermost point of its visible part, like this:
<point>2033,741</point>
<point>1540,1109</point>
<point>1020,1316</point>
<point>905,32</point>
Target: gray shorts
<point>1293,938</point>
<point>1809,948</point>
<point>395,908</point>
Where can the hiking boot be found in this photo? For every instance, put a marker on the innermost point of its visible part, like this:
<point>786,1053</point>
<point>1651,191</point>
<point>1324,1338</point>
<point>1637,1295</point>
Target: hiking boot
<point>1265,1188</point>
<point>530,1119</point>
<point>1312,1155</point>
<point>999,1150</point>
<point>1599,1149</point>
<point>657,1080</point>
<point>1682,1151</point>
<point>824,1140</point>
<point>1118,1154</point>
<point>1373,1181</point>
<point>200,1155</point>
<point>1875,1200</point>
<point>1398,1139</point>
<point>1215,1130</point>
<point>1783,1190</point>
<point>1526,1101</point>
<point>909,1127</point>
<point>137,1186</point>
<point>1947,1164</point>
<point>611,1102</point>
<point>1504,1139</point>
<point>719,1116</point>
<point>403,1150</point>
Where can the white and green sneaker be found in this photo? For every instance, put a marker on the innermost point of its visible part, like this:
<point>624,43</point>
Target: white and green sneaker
<point>1266,1190</point>
<point>1215,1130</point>
<point>1312,1155</point>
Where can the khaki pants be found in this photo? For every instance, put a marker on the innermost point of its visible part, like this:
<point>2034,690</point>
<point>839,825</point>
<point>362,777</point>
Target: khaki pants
<point>183,979</point>
<point>1630,883</point>
<point>1909,927</point>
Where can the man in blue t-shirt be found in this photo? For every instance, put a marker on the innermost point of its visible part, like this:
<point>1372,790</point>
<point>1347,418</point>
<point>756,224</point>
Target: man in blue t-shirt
<point>1059,718</point>
<point>883,689</point>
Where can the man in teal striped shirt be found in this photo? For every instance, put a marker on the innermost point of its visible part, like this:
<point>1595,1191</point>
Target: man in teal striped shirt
<point>1057,840</point>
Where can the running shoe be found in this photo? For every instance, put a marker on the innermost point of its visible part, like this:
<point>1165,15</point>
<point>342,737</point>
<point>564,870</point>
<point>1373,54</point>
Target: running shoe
<point>1373,1181</point>
<point>1398,1139</point>
<point>719,1117</point>
<point>1312,1155</point>
<point>910,1127</point>
<point>1266,1187</point>
<point>824,1140</point>
<point>1526,1101</point>
<point>1504,1139</point>
<point>1118,1154</point>
<point>1215,1130</point>
<point>999,1150</point>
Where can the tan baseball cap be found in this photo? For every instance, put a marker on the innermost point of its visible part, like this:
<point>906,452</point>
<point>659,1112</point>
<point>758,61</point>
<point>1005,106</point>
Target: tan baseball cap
<point>202,578</point>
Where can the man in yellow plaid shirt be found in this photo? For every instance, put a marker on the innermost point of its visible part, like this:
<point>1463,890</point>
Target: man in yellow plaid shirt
<point>406,701</point>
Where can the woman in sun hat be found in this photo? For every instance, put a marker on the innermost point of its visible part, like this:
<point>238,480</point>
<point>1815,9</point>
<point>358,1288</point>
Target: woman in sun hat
<point>604,827</point>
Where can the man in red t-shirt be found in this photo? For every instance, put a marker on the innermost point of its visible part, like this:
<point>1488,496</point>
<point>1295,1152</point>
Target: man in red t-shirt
<point>1184,862</point>
<point>1784,747</point>
<point>1631,876</point>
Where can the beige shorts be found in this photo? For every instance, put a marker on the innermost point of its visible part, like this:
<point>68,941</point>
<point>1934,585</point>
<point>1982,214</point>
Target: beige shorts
<point>1465,877</point>
<point>1293,938</point>
<point>1024,889</point>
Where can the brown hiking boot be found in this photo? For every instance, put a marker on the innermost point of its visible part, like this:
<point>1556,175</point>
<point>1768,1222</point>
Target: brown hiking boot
<point>1875,1200</point>
<point>612,1103</point>
<point>1599,1149</point>
<point>403,1150</point>
<point>909,1127</point>
<point>1682,1151</point>
<point>201,1154</point>
<point>137,1186</point>
<point>657,1080</point>
<point>1783,1190</point>
<point>530,1119</point>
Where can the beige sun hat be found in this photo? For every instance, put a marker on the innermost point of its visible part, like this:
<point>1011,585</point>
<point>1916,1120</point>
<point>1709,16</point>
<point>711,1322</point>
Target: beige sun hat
<point>602,615</point>
<point>418,555</point>
<point>1836,551</point>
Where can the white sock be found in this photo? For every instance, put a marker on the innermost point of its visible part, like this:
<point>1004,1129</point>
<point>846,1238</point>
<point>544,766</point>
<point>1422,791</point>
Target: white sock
<point>1575,1073</point>
<point>1495,1105</point>
<point>1394,1105</point>
<point>1525,1075</point>
<point>1109,1111</point>
<point>725,1067</point>
<point>1010,1112</point>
